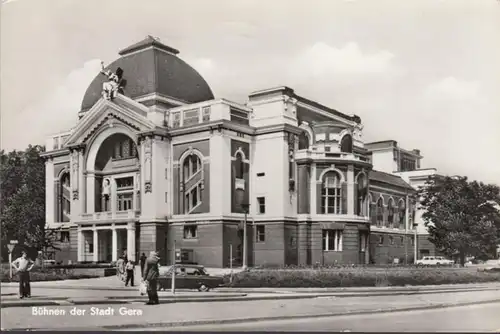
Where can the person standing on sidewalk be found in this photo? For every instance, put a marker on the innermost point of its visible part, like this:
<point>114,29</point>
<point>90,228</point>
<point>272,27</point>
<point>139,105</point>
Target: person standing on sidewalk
<point>143,262</point>
<point>119,268</point>
<point>23,266</point>
<point>129,269</point>
<point>150,276</point>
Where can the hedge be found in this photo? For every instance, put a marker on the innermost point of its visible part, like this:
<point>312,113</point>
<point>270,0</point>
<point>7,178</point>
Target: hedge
<point>356,277</point>
<point>45,275</point>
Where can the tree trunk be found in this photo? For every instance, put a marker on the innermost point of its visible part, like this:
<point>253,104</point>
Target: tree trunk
<point>462,259</point>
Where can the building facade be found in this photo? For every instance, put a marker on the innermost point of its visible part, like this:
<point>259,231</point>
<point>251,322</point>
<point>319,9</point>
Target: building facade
<point>165,166</point>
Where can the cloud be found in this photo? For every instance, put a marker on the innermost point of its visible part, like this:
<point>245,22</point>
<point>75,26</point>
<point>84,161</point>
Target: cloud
<point>323,59</point>
<point>56,113</point>
<point>454,89</point>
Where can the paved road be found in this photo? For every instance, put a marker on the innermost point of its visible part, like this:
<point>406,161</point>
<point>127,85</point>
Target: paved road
<point>476,318</point>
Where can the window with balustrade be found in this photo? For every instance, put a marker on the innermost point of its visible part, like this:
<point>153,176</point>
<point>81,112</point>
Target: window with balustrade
<point>124,193</point>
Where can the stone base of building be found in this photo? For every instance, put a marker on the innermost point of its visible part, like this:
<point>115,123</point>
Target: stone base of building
<point>276,243</point>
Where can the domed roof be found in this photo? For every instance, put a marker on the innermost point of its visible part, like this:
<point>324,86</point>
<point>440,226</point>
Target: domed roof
<point>152,67</point>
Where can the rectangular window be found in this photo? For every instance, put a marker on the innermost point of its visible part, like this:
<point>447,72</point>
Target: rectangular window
<point>262,204</point>
<point>327,149</point>
<point>401,241</point>
<point>391,240</point>
<point>191,117</point>
<point>261,233</point>
<point>166,197</point>
<point>238,116</point>
<point>124,201</point>
<point>413,241</point>
<point>190,231</point>
<point>176,119</point>
<point>332,240</point>
<point>261,174</point>
<point>380,240</point>
<point>125,183</point>
<point>64,236</point>
<point>206,114</point>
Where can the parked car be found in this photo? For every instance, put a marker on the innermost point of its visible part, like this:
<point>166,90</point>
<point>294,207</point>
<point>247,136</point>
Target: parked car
<point>434,261</point>
<point>188,276</point>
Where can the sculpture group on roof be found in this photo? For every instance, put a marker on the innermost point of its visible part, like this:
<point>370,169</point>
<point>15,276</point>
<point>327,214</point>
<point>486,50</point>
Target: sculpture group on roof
<point>114,84</point>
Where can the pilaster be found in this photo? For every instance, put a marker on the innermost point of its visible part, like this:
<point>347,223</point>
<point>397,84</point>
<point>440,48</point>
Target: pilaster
<point>313,190</point>
<point>96,245</point>
<point>90,191</point>
<point>131,241</point>
<point>49,191</point>
<point>350,190</point>
<point>114,244</point>
<point>81,245</point>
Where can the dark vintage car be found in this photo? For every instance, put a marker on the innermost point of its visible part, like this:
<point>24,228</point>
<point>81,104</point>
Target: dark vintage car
<point>188,276</point>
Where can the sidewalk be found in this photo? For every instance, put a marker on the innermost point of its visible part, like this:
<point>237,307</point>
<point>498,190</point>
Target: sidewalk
<point>229,312</point>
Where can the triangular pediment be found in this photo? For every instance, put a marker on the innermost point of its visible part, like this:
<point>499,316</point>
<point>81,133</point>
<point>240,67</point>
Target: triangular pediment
<point>105,113</point>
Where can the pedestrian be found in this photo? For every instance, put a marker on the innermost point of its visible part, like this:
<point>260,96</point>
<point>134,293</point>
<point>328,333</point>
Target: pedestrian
<point>143,262</point>
<point>150,276</point>
<point>129,269</point>
<point>23,266</point>
<point>119,268</point>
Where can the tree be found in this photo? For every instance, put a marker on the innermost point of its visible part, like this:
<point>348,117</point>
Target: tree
<point>461,216</point>
<point>22,204</point>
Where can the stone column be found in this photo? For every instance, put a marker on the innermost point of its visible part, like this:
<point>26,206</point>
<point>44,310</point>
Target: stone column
<point>131,241</point>
<point>96,245</point>
<point>82,196</point>
<point>81,246</point>
<point>350,190</point>
<point>313,188</point>
<point>114,247</point>
<point>90,191</point>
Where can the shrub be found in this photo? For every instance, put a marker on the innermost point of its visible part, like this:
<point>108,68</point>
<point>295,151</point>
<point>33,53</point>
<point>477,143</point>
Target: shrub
<point>356,277</point>
<point>45,275</point>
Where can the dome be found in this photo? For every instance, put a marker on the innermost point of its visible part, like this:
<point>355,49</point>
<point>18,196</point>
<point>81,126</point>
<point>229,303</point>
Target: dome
<point>152,67</point>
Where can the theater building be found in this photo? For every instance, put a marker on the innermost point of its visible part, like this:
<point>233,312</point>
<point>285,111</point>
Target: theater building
<point>164,165</point>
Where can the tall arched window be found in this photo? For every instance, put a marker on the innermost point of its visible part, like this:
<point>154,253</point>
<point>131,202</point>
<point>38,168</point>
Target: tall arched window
<point>65,197</point>
<point>331,194</point>
<point>380,213</point>
<point>346,144</point>
<point>402,213</point>
<point>390,214</point>
<point>361,195</point>
<point>239,166</point>
<point>303,141</point>
<point>193,182</point>
<point>191,166</point>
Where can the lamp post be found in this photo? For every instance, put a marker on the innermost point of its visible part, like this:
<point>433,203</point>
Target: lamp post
<point>245,207</point>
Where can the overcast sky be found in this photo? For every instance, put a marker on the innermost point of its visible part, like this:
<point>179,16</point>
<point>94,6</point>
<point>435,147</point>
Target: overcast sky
<point>424,73</point>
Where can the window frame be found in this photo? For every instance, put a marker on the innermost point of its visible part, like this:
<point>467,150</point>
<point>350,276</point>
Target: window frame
<point>260,233</point>
<point>261,205</point>
<point>331,191</point>
<point>329,236</point>
<point>187,232</point>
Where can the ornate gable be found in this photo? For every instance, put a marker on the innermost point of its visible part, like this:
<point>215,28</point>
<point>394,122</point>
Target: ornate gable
<point>107,113</point>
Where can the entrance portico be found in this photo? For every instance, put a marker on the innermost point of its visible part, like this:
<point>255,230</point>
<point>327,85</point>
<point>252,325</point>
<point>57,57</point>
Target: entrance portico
<point>106,242</point>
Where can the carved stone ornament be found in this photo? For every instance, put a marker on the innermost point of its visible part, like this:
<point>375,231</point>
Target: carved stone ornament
<point>74,171</point>
<point>147,164</point>
<point>75,194</point>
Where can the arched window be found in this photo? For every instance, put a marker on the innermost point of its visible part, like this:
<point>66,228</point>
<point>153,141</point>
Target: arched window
<point>361,194</point>
<point>331,194</point>
<point>192,170</point>
<point>346,144</point>
<point>303,141</point>
<point>380,213</point>
<point>64,197</point>
<point>239,166</point>
<point>402,213</point>
<point>191,166</point>
<point>390,214</point>
<point>124,148</point>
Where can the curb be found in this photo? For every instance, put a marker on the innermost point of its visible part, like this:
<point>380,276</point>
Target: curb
<point>289,317</point>
<point>196,299</point>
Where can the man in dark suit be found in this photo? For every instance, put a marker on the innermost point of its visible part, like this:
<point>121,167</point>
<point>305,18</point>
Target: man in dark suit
<point>150,276</point>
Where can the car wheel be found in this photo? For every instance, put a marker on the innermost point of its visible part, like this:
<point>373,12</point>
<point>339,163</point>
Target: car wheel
<point>203,288</point>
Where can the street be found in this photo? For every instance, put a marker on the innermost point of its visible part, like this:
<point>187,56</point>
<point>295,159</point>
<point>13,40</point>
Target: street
<point>475,318</point>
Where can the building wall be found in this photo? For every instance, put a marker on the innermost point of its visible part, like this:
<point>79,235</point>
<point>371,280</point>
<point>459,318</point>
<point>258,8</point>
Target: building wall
<point>386,252</point>
<point>384,161</point>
